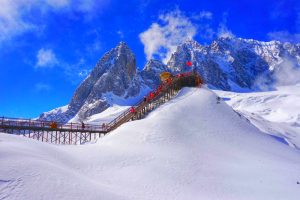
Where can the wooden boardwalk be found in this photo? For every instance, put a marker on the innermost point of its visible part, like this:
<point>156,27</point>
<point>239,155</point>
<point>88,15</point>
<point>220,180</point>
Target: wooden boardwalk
<point>76,133</point>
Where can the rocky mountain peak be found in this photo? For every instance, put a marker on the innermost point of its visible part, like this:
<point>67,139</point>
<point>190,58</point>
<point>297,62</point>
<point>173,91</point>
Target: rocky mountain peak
<point>115,73</point>
<point>122,48</point>
<point>188,51</point>
<point>155,65</point>
<point>151,72</point>
<point>190,44</point>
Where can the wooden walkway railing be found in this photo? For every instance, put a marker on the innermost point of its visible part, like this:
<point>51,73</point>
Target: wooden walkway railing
<point>76,133</point>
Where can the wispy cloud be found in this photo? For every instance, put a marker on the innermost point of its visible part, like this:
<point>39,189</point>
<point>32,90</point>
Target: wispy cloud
<point>202,15</point>
<point>74,72</point>
<point>121,34</point>
<point>173,28</point>
<point>162,37</point>
<point>223,30</point>
<point>46,58</point>
<point>96,45</point>
<point>58,3</point>
<point>287,73</point>
<point>284,36</point>
<point>11,21</point>
<point>41,87</point>
<point>284,11</point>
<point>17,16</point>
<point>14,14</point>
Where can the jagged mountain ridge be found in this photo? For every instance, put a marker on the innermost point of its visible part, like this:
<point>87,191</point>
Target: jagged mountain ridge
<point>230,62</point>
<point>227,64</point>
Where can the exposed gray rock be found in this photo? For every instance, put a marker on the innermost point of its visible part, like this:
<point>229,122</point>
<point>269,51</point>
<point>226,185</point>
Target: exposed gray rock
<point>202,62</point>
<point>114,73</point>
<point>150,73</point>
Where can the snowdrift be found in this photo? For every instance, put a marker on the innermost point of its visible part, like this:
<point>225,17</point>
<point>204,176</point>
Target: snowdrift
<point>189,148</point>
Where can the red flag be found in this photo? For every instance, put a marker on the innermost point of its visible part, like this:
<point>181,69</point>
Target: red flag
<point>189,63</point>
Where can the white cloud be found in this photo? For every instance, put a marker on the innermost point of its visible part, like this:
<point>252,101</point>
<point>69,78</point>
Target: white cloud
<point>46,58</point>
<point>11,21</point>
<point>58,3</point>
<point>161,39</point>
<point>73,72</point>
<point>203,15</point>
<point>223,30</point>
<point>90,8</point>
<point>287,73</point>
<point>86,5</point>
<point>16,16</point>
<point>284,36</point>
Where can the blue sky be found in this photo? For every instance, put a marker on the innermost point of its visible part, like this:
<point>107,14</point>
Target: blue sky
<point>47,47</point>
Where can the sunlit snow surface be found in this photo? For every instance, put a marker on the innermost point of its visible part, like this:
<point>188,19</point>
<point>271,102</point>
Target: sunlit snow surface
<point>274,112</point>
<point>117,106</point>
<point>189,148</point>
<point>104,117</point>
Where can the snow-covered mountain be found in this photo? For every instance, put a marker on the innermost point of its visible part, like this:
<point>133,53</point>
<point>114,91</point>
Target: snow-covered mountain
<point>227,64</point>
<point>150,73</point>
<point>189,148</point>
<point>114,79</point>
<point>235,63</point>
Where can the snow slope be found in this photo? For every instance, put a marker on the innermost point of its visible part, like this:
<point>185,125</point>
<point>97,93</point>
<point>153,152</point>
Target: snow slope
<point>117,106</point>
<point>189,148</point>
<point>274,112</point>
<point>105,116</point>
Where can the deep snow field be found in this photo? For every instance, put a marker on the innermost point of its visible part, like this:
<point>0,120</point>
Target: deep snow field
<point>274,112</point>
<point>189,148</point>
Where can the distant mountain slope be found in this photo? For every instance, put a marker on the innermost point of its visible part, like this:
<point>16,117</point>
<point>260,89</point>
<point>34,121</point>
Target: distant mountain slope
<point>273,112</point>
<point>189,148</point>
